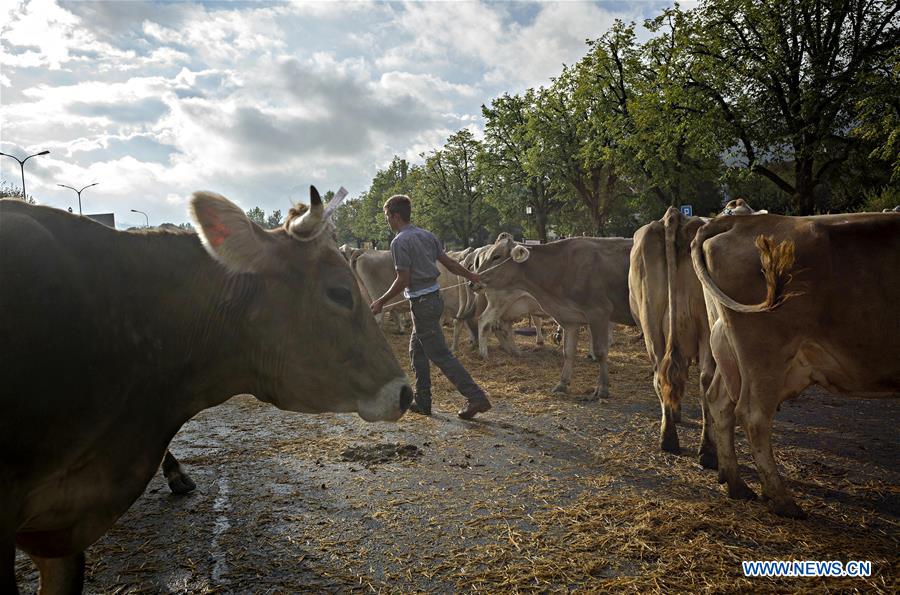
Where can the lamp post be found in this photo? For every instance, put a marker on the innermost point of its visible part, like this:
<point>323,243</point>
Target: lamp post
<point>78,192</point>
<point>22,167</point>
<point>145,216</point>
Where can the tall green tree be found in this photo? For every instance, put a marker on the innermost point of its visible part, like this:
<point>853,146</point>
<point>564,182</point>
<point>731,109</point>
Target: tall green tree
<point>399,177</point>
<point>518,194</point>
<point>565,147</point>
<point>452,192</point>
<point>258,216</point>
<point>785,78</point>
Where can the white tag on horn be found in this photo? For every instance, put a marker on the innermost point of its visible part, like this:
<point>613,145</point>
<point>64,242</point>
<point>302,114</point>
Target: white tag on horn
<point>335,202</point>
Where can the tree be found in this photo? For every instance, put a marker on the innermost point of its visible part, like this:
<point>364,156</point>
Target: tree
<point>560,134</point>
<point>785,78</point>
<point>369,223</point>
<point>8,190</point>
<point>510,187</point>
<point>258,216</point>
<point>451,191</point>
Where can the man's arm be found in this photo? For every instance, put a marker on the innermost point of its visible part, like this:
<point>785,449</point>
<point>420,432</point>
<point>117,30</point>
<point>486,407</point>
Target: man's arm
<point>401,281</point>
<point>458,269</point>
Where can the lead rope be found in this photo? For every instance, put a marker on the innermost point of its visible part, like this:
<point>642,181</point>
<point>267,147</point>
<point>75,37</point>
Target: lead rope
<point>392,304</point>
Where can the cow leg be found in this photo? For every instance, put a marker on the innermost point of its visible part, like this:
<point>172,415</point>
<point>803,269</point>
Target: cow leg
<point>457,327</point>
<point>504,334</point>
<point>570,340</point>
<point>707,451</point>
<point>721,407</point>
<point>60,576</point>
<point>179,481</point>
<point>757,423</point>
<point>472,327</point>
<point>538,323</point>
<point>591,354</point>
<point>483,327</point>
<point>668,434</point>
<point>600,343</point>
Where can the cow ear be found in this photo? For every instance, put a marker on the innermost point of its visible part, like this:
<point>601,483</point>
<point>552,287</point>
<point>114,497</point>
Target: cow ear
<point>227,234</point>
<point>520,254</point>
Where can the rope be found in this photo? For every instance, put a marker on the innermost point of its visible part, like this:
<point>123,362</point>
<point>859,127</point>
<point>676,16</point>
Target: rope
<point>397,303</point>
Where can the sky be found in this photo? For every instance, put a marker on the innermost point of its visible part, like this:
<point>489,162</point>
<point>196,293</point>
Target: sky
<point>258,100</point>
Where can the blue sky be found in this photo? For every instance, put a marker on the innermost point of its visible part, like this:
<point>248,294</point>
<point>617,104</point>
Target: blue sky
<point>257,100</point>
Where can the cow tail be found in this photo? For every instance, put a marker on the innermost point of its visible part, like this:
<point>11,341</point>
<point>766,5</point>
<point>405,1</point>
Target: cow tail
<point>673,368</point>
<point>777,260</point>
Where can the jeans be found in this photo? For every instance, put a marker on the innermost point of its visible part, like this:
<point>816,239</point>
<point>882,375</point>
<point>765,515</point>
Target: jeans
<point>427,343</point>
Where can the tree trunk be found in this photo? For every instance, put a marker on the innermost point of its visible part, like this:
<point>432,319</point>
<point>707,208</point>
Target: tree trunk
<point>540,219</point>
<point>804,197</point>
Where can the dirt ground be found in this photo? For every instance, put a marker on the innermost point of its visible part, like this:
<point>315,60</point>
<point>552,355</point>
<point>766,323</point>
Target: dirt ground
<point>543,493</point>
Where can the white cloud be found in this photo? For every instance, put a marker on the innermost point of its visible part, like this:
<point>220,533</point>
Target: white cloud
<point>157,100</point>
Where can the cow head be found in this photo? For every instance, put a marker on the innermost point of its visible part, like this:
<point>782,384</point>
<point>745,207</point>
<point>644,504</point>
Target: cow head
<point>740,207</point>
<point>497,265</point>
<point>311,339</point>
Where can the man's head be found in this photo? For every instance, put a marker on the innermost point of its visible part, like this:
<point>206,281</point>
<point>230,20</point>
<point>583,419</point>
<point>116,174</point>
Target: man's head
<point>397,209</point>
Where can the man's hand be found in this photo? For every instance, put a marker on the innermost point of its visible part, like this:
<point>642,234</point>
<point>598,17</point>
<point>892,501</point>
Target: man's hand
<point>377,306</point>
<point>474,278</point>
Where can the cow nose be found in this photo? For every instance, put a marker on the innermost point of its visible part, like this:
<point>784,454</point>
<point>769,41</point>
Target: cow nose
<point>406,397</point>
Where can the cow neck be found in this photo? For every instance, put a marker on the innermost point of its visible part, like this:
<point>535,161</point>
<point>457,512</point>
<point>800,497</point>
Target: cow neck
<point>201,311</point>
<point>538,260</point>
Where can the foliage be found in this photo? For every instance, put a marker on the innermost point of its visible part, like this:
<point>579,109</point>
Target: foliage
<point>790,105</point>
<point>258,216</point>
<point>785,78</point>
<point>9,190</point>
<point>451,192</point>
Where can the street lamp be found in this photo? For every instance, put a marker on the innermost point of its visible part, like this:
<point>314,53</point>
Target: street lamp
<point>22,167</point>
<point>144,214</point>
<point>78,192</point>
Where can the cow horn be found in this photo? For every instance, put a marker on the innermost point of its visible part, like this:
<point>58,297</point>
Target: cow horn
<point>309,222</point>
<point>519,254</point>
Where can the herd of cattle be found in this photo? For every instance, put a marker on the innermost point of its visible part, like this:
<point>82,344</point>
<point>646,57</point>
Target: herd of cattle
<point>115,339</point>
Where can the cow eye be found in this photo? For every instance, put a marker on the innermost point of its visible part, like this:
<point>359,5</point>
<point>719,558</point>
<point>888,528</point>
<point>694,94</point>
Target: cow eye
<point>340,296</point>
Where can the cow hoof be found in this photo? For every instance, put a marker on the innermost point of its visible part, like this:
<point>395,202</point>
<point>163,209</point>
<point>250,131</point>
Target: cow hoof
<point>561,389</point>
<point>787,509</point>
<point>709,460</point>
<point>670,444</point>
<point>181,484</point>
<point>740,491</point>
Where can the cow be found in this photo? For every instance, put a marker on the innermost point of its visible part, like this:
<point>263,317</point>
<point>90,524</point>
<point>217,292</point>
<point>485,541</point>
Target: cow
<point>576,281</point>
<point>667,300</point>
<point>375,271</point>
<point>497,309</point>
<point>822,311</point>
<point>114,340</point>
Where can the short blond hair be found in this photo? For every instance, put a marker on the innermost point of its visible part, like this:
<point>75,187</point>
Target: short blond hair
<point>399,204</point>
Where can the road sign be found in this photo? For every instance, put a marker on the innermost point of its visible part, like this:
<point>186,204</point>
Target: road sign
<point>687,210</point>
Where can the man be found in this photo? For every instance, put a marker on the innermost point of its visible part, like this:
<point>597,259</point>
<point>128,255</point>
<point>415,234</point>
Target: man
<point>415,251</point>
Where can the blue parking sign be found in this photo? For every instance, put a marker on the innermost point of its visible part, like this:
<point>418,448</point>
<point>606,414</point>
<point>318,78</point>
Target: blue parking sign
<point>687,210</point>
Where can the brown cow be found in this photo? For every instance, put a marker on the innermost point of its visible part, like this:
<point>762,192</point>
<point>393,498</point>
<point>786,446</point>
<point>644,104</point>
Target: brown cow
<point>576,281</point>
<point>667,300</point>
<point>497,309</point>
<point>834,323</point>
<point>374,269</point>
<point>116,339</point>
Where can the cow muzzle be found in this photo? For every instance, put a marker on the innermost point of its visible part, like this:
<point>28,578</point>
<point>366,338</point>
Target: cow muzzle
<point>391,402</point>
